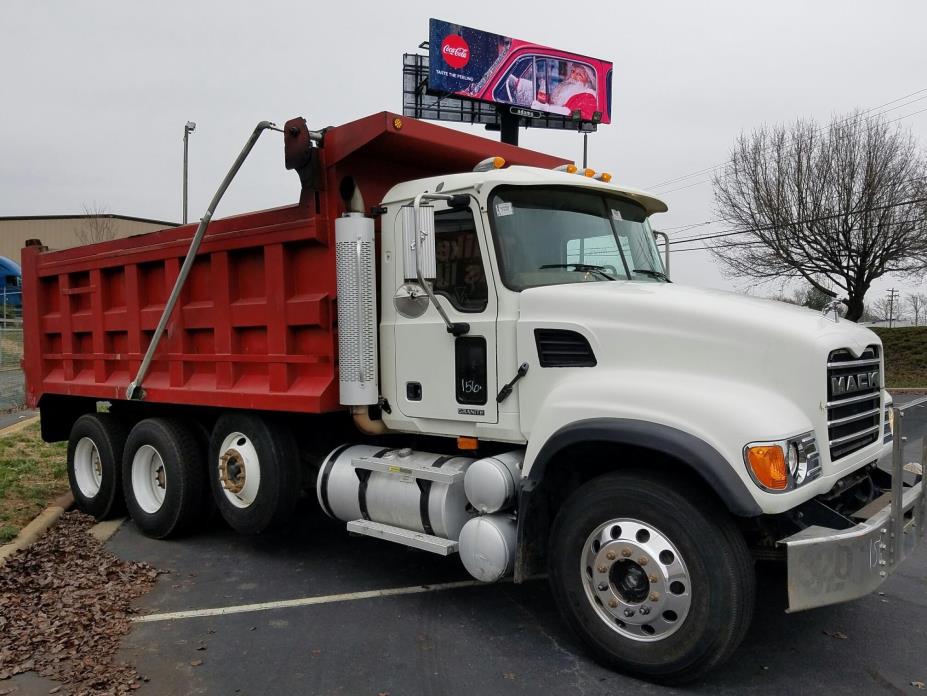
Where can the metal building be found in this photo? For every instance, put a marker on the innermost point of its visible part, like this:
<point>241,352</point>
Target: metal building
<point>64,231</point>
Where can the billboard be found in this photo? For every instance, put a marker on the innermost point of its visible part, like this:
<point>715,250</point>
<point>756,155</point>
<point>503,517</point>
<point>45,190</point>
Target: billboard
<point>489,67</point>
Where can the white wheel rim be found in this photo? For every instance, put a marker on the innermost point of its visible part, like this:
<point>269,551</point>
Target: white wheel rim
<point>666,596</point>
<point>149,479</point>
<point>88,469</point>
<point>239,470</point>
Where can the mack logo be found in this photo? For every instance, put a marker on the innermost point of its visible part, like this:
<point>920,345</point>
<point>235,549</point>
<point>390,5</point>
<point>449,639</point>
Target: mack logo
<point>849,384</point>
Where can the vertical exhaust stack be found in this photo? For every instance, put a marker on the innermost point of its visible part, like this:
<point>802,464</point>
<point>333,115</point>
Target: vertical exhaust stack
<point>355,259</point>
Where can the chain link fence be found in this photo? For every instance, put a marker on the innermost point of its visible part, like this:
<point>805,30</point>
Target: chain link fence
<point>12,395</point>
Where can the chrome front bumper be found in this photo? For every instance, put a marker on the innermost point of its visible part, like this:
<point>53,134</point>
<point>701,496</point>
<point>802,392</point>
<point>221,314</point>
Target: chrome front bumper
<point>827,566</point>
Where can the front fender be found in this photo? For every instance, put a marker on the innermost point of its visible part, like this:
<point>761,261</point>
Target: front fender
<point>706,461</point>
<point>702,422</point>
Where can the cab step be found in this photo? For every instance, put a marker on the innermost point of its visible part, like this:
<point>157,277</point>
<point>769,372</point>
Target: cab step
<point>406,537</point>
<point>402,467</point>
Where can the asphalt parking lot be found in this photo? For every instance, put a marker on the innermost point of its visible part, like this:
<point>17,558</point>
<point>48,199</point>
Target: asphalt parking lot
<point>499,639</point>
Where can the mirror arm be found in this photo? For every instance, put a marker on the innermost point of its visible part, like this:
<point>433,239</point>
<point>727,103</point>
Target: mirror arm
<point>666,251</point>
<point>455,328</point>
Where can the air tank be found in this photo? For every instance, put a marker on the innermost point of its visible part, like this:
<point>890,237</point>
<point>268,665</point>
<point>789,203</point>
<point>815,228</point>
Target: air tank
<point>487,546</point>
<point>491,483</point>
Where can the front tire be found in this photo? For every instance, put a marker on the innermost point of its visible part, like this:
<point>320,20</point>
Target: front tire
<point>163,477</point>
<point>658,584</point>
<point>95,464</point>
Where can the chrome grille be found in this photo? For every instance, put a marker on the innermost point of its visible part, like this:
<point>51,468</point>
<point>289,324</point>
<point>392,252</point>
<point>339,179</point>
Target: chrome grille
<point>854,404</point>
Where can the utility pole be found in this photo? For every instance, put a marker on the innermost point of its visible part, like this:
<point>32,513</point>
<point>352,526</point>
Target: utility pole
<point>892,298</point>
<point>187,129</point>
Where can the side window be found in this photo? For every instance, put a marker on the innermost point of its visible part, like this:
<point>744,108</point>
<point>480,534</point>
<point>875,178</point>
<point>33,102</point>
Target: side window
<point>461,276</point>
<point>517,87</point>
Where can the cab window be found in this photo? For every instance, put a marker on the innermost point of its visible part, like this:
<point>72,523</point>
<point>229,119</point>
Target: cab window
<point>461,277</point>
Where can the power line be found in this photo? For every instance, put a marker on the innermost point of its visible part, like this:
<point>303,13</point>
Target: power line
<point>746,230</point>
<point>708,222</point>
<point>758,242</point>
<point>855,117</point>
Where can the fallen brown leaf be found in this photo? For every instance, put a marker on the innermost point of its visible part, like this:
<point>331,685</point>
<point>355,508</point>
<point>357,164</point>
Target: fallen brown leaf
<point>64,606</point>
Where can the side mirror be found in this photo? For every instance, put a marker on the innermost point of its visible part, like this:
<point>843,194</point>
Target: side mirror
<point>415,234</point>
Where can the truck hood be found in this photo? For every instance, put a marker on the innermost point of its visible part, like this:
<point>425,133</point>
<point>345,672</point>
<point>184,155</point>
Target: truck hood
<point>675,334</point>
<point>690,316</point>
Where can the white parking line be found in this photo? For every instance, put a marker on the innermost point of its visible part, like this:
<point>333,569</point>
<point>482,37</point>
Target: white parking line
<point>306,601</point>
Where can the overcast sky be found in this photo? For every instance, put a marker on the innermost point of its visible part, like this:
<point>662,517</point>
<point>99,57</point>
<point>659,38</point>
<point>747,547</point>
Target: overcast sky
<point>95,93</point>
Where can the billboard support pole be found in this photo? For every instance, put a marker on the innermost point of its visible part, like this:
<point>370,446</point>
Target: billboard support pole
<point>585,150</point>
<point>508,123</point>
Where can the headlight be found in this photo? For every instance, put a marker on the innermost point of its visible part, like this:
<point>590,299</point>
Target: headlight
<point>783,465</point>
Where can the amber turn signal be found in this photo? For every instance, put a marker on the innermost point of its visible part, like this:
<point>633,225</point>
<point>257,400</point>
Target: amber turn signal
<point>467,443</point>
<point>768,465</point>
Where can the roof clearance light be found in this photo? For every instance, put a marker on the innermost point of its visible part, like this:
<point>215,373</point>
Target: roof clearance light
<point>589,172</point>
<point>568,168</point>
<point>490,163</point>
<point>604,177</point>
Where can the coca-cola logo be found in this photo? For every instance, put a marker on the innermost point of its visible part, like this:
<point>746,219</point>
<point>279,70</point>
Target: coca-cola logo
<point>455,51</point>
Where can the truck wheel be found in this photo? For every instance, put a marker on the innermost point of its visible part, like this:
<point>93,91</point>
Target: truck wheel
<point>253,472</point>
<point>657,583</point>
<point>163,477</point>
<point>95,464</point>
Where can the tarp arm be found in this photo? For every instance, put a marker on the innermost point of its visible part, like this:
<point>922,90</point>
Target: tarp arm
<point>134,390</point>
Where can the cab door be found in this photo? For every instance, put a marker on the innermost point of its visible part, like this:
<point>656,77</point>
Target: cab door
<point>440,376</point>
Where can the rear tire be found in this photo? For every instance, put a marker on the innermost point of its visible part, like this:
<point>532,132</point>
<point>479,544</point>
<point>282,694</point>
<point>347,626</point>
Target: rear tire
<point>95,464</point>
<point>253,472</point>
<point>657,583</point>
<point>163,477</point>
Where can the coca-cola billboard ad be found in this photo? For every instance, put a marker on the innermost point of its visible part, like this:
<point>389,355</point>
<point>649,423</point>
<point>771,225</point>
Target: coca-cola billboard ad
<point>490,67</point>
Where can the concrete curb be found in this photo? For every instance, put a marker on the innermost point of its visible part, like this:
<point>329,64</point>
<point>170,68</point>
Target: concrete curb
<point>16,427</point>
<point>908,390</point>
<point>103,531</point>
<point>32,531</point>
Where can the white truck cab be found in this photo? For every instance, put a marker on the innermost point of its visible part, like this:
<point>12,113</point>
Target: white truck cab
<point>638,440</point>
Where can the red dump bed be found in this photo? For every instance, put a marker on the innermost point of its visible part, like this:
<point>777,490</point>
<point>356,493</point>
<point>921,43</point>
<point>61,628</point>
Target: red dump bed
<point>255,326</point>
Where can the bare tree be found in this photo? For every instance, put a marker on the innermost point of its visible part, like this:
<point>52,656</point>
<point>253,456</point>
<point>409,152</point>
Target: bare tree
<point>917,304</point>
<point>812,297</point>
<point>885,310</point>
<point>838,206</point>
<point>96,225</point>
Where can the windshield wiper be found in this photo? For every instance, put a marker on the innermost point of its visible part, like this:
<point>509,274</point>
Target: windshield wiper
<point>582,268</point>
<point>653,274</point>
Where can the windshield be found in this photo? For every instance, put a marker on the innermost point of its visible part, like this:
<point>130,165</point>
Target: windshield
<point>550,235</point>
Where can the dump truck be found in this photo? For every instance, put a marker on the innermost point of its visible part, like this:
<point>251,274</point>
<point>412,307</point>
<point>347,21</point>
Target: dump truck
<point>470,348</point>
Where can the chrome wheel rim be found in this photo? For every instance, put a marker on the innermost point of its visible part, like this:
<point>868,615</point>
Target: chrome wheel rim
<point>88,469</point>
<point>149,479</point>
<point>636,580</point>
<point>239,470</point>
